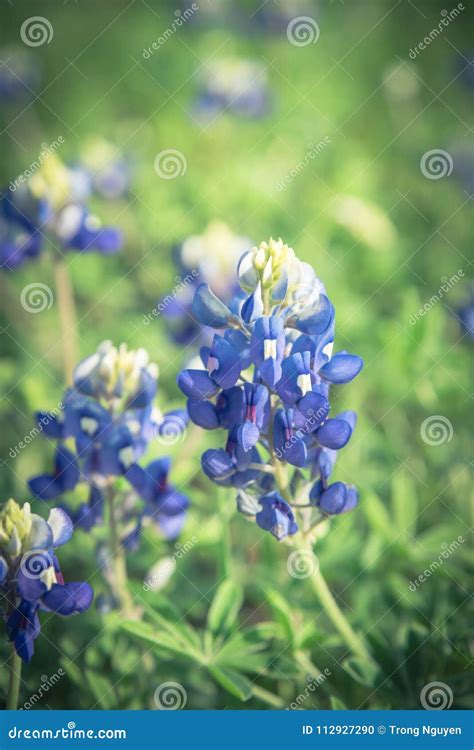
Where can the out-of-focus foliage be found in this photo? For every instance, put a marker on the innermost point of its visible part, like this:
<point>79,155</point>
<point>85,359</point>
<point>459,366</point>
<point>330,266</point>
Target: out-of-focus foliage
<point>381,235</point>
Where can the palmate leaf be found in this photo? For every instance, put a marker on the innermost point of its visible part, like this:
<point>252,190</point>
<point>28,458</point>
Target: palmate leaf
<point>225,607</point>
<point>102,689</point>
<point>165,640</point>
<point>232,681</point>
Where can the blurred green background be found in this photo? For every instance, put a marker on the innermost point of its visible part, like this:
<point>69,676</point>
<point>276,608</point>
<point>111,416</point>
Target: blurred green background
<point>380,234</point>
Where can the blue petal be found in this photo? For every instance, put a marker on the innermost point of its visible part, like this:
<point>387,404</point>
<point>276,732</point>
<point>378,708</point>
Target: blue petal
<point>203,413</point>
<point>342,368</point>
<point>61,526</point>
<point>227,361</point>
<point>334,434</point>
<point>209,310</point>
<point>68,599</point>
<point>41,535</point>
<point>314,321</point>
<point>248,435</point>
<point>196,384</point>
<point>217,464</point>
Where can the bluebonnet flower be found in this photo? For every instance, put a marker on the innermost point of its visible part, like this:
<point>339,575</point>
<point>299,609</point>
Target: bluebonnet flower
<point>465,313</point>
<point>30,576</point>
<point>19,75</point>
<point>266,380</point>
<point>102,170</point>
<point>210,258</point>
<point>46,205</point>
<point>105,427</point>
<point>237,85</point>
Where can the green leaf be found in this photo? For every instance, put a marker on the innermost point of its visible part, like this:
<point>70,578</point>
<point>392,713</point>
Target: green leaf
<point>101,689</point>
<point>337,704</point>
<point>282,613</point>
<point>377,516</point>
<point>161,639</point>
<point>232,681</point>
<point>360,670</point>
<point>404,503</point>
<point>225,607</point>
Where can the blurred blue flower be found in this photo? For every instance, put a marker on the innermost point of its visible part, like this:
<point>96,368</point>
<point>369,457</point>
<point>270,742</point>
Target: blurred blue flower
<point>44,205</point>
<point>236,85</point>
<point>110,418</point>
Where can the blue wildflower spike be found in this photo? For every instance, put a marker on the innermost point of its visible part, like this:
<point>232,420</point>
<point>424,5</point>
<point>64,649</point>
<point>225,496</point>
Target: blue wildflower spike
<point>267,381</point>
<point>32,575</point>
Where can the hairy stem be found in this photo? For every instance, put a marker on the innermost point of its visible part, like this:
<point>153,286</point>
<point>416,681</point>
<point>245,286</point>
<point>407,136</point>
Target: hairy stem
<point>225,546</point>
<point>14,664</point>
<point>67,316</point>
<point>119,582</point>
<point>321,589</point>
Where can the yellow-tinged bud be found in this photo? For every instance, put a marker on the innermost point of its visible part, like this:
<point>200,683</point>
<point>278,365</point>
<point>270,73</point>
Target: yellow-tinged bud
<point>15,526</point>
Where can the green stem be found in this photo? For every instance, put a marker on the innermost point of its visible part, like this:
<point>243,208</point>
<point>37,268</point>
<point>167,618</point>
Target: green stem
<point>323,592</point>
<point>119,582</point>
<point>225,545</point>
<point>67,316</point>
<point>14,681</point>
